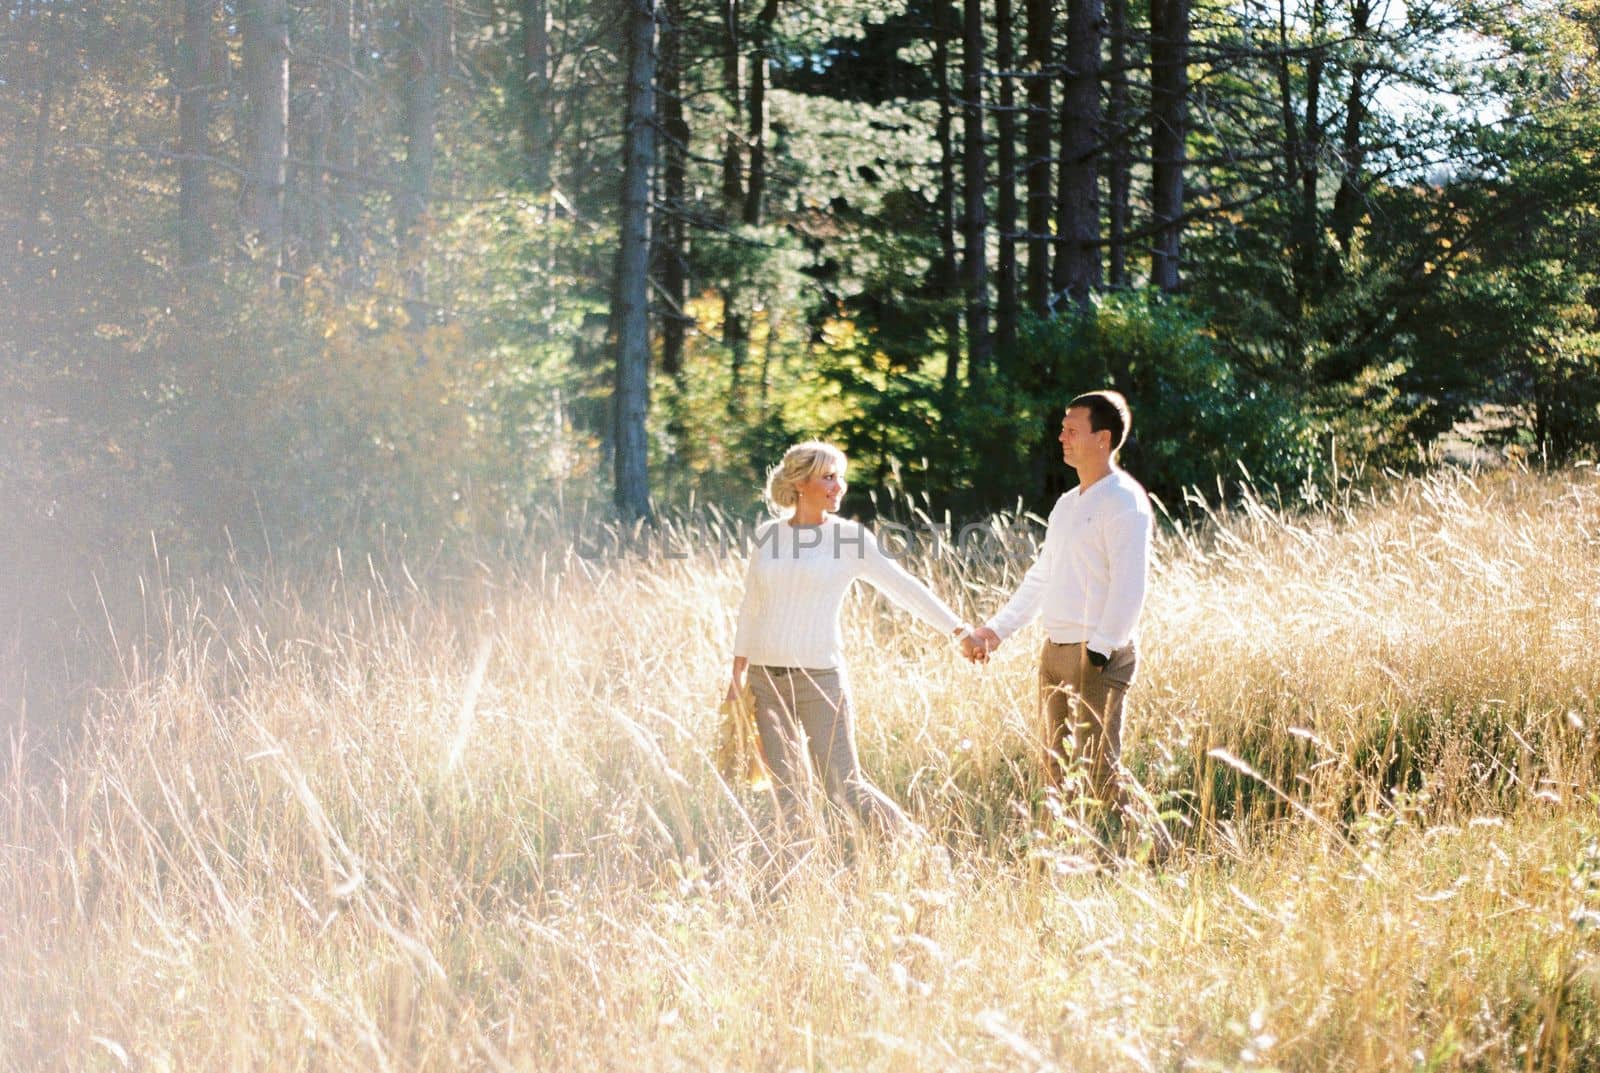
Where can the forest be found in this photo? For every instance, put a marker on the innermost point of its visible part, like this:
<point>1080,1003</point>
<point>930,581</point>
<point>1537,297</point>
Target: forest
<point>386,388</point>
<point>282,268</point>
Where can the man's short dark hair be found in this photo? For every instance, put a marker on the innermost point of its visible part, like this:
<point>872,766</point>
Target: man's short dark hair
<point>1108,412</point>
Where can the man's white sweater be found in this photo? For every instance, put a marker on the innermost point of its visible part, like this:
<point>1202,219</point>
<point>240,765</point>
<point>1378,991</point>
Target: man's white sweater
<point>1088,582</point>
<point>795,586</point>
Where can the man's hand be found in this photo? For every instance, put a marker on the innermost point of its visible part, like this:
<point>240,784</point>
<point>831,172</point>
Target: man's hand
<point>734,689</point>
<point>977,645</point>
<point>1097,660</point>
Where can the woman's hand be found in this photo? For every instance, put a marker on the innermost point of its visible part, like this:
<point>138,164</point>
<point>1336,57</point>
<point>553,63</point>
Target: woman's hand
<point>736,681</point>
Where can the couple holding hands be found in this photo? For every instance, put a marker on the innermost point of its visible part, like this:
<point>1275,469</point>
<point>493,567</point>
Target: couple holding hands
<point>1088,584</point>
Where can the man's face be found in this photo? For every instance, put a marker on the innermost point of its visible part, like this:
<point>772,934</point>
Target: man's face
<point>1080,444</point>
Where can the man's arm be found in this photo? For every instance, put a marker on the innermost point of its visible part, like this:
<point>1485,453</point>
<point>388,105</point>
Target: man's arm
<point>1128,547</point>
<point>1025,602</point>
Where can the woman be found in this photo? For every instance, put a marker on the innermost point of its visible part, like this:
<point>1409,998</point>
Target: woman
<point>788,644</point>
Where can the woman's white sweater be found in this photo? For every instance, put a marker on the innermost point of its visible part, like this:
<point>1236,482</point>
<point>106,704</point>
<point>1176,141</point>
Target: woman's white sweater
<point>795,585</point>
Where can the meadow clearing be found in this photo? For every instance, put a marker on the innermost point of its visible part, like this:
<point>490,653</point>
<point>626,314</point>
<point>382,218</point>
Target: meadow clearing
<point>342,815</point>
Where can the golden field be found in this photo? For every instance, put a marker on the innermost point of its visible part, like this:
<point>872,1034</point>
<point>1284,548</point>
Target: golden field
<point>350,816</point>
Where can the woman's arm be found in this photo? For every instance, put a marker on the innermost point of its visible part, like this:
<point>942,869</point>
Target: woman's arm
<point>891,579</point>
<point>750,606</point>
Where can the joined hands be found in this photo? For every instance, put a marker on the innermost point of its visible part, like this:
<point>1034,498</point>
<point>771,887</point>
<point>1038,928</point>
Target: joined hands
<point>977,645</point>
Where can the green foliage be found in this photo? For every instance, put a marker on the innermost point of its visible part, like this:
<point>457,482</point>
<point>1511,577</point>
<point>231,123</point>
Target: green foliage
<point>535,330</point>
<point>1449,298</point>
<point>1196,419</point>
<point>217,415</point>
<point>712,439</point>
<point>896,430</point>
<point>1500,311</point>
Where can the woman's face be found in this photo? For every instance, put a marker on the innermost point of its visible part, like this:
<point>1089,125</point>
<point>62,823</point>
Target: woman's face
<point>824,489</point>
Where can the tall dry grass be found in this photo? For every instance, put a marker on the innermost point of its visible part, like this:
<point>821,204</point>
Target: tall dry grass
<point>353,817</point>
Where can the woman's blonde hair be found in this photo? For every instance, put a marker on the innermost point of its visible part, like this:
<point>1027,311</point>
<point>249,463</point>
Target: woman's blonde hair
<point>799,464</point>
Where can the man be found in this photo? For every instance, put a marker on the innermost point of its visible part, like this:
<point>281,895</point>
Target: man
<point>1088,584</point>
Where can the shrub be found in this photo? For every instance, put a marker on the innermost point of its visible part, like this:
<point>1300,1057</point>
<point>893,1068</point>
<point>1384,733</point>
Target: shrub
<point>1197,421</point>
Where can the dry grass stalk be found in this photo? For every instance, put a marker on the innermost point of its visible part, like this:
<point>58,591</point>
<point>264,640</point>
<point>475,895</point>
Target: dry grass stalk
<point>354,821</point>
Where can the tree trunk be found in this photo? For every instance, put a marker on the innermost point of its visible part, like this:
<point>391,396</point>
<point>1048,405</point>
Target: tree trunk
<point>631,307</point>
<point>975,215</point>
<point>315,188</point>
<point>536,96</point>
<point>949,270</point>
<point>1119,166</point>
<point>342,130</point>
<point>672,230</point>
<point>1040,30</point>
<point>264,26</point>
<point>1077,270</point>
<point>735,334</point>
<point>1169,93</point>
<point>424,55</point>
<point>197,80</point>
<point>732,163</point>
<point>1309,229</point>
<point>632,275</point>
<point>1292,154</point>
<point>760,56</point>
<point>49,40</point>
<point>756,138</point>
<point>1005,58</point>
<point>1352,153</point>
